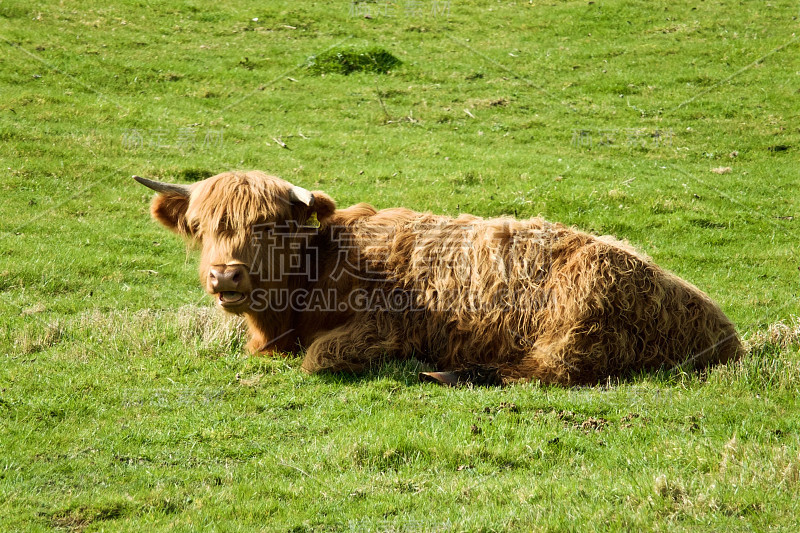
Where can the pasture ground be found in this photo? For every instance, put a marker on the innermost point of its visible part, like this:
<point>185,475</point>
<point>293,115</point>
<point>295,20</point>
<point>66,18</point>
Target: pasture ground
<point>127,404</point>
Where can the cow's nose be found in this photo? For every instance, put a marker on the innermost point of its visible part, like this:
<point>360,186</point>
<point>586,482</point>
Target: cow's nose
<point>226,278</point>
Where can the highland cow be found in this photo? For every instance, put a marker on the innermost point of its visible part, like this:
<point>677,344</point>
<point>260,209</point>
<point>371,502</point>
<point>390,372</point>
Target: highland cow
<point>494,300</point>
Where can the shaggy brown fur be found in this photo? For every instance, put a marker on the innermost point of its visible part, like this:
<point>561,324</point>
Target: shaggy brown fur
<point>525,299</point>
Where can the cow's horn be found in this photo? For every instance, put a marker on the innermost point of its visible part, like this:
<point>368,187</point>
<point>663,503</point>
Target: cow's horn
<point>158,186</point>
<point>299,194</point>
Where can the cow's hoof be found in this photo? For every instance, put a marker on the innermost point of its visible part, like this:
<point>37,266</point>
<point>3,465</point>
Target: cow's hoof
<point>451,379</point>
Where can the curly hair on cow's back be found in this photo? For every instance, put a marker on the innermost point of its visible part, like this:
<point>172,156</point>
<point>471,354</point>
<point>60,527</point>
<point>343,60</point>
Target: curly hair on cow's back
<point>515,299</point>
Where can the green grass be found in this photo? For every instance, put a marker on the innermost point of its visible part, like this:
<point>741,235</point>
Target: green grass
<point>127,404</point>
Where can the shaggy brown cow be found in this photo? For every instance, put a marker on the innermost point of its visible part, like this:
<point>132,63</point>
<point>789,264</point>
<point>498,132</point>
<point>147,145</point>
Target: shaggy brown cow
<point>497,300</point>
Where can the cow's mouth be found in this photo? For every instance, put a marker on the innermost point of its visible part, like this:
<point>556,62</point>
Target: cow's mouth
<point>231,298</point>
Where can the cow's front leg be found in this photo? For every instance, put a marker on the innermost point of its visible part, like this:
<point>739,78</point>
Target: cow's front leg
<point>259,344</point>
<point>269,336</point>
<point>353,347</point>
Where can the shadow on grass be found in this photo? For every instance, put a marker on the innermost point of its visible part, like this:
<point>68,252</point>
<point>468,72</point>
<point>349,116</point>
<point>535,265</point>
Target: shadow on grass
<point>401,372</point>
<point>407,373</point>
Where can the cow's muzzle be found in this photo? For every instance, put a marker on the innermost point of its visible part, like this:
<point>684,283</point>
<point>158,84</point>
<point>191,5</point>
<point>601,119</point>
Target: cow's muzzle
<point>230,284</point>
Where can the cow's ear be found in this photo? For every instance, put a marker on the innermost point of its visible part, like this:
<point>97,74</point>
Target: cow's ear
<point>170,210</point>
<point>324,206</point>
<point>314,208</point>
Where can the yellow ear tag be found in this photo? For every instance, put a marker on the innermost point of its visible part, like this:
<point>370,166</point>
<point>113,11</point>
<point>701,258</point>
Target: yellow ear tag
<point>313,220</point>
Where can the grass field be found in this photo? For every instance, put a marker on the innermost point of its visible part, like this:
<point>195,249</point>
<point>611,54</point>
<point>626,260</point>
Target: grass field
<point>128,404</point>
